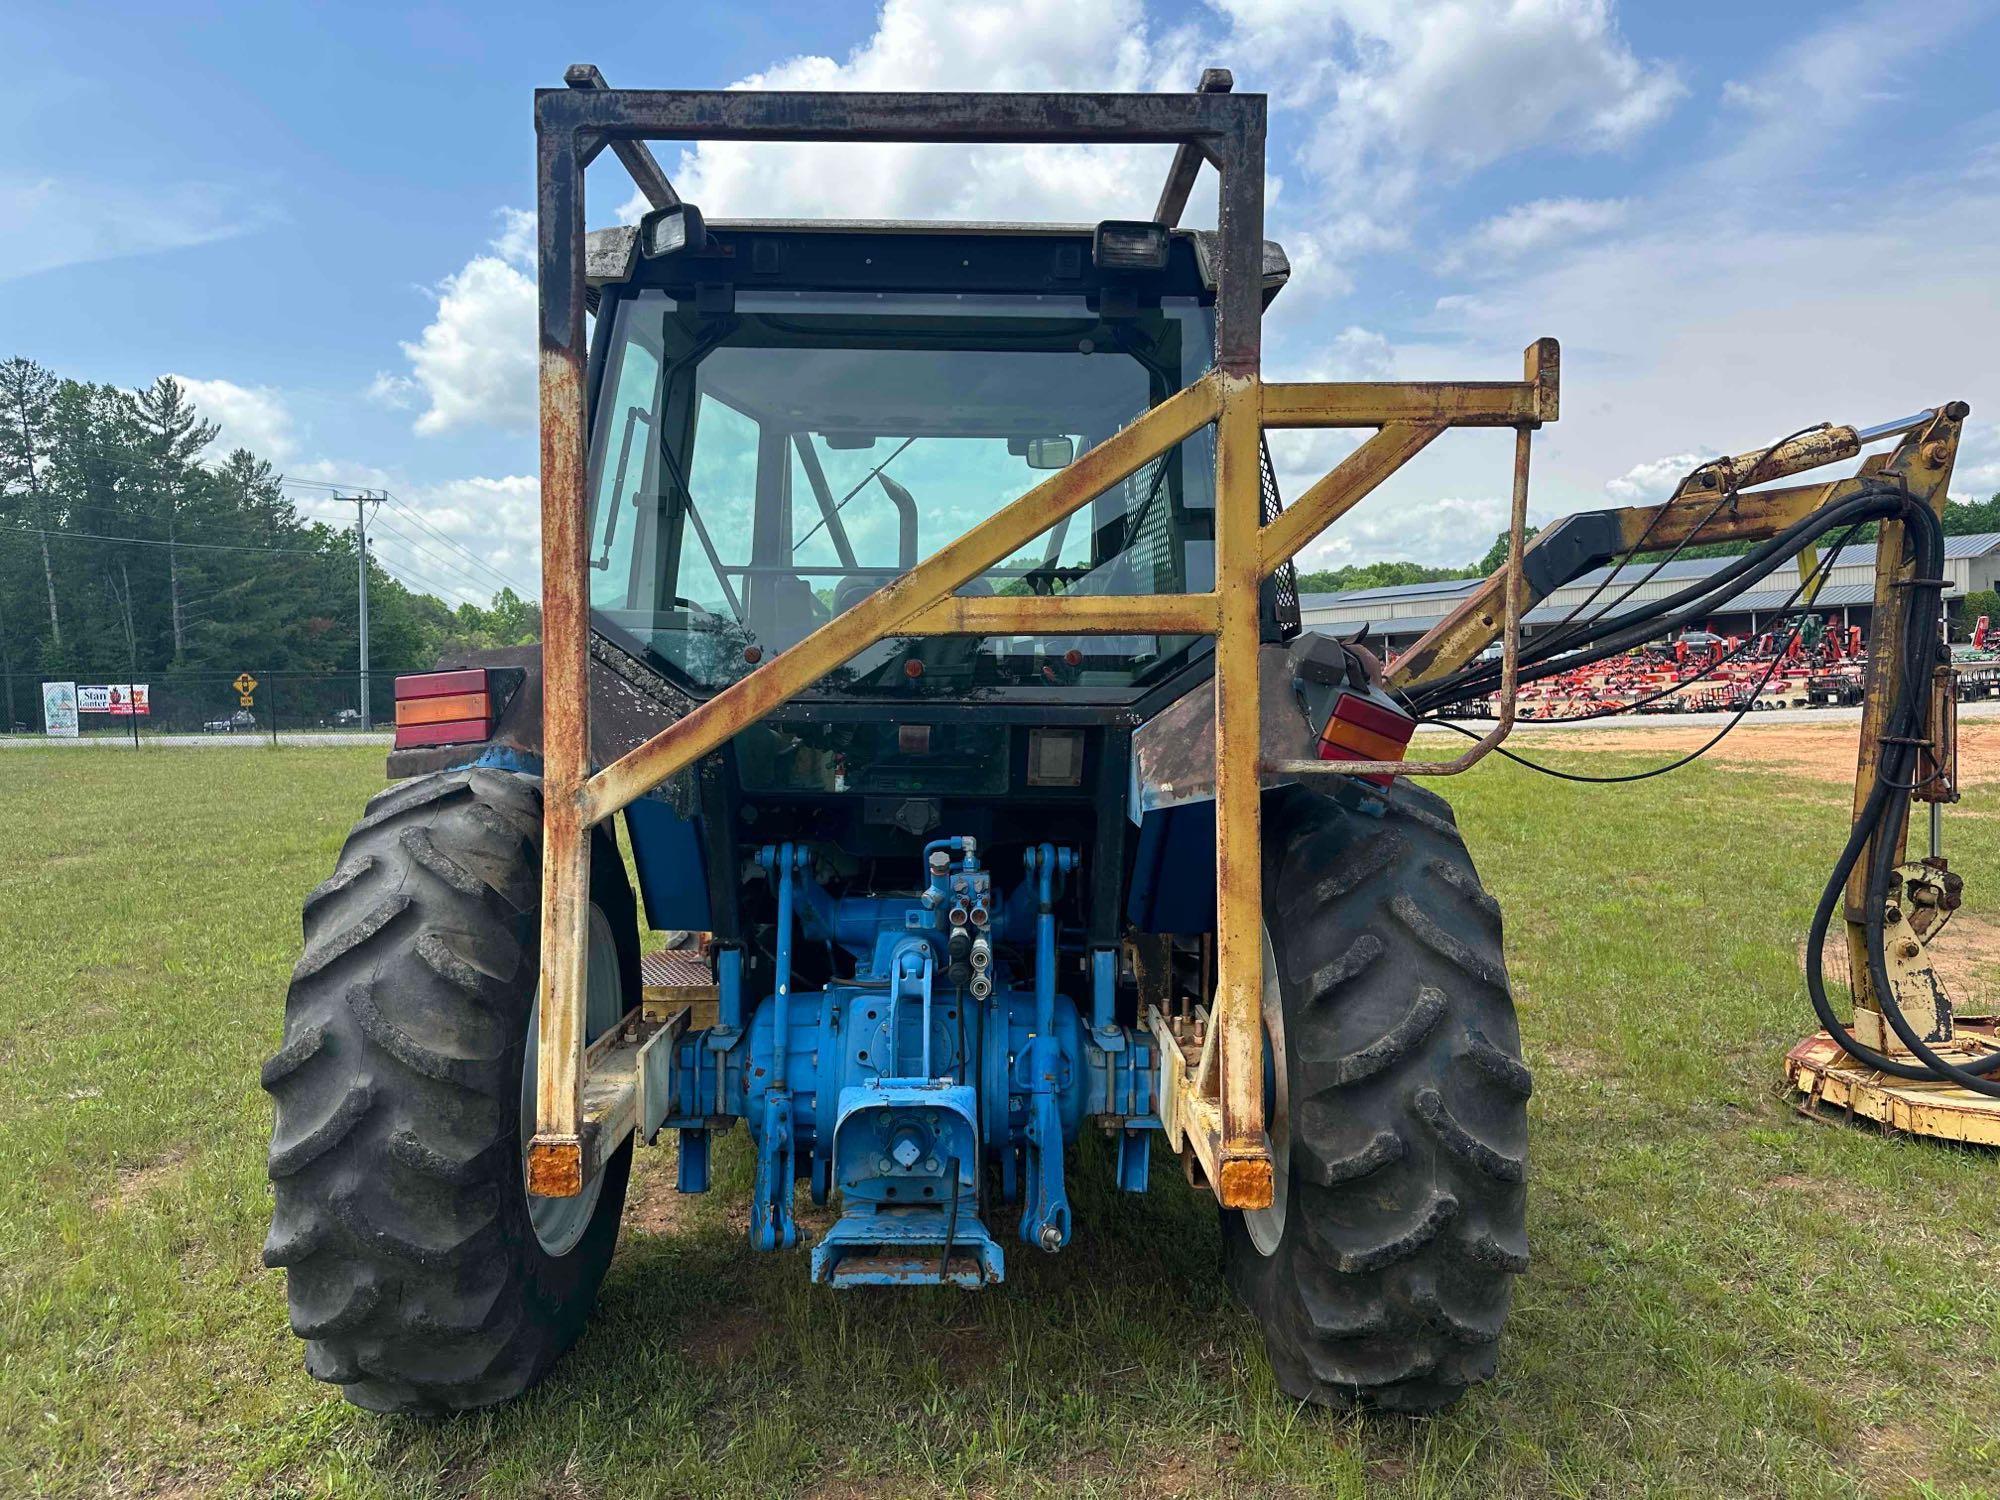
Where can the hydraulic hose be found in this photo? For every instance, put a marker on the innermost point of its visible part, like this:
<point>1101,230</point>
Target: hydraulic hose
<point>1606,635</point>
<point>1605,638</point>
<point>1877,820</point>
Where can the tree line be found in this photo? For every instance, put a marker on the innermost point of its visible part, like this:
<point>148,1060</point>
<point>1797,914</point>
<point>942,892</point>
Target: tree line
<point>128,551</point>
<point>1394,574</point>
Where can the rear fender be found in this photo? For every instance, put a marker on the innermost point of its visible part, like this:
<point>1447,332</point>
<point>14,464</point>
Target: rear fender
<point>628,706</point>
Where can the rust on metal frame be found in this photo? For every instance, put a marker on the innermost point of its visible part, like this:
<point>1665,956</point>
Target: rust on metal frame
<point>1351,481</point>
<point>1829,1078</point>
<point>1923,462</point>
<point>556,1155</point>
<point>571,126</point>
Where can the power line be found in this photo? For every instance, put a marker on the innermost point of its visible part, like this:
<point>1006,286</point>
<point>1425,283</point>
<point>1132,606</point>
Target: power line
<point>447,563</point>
<point>414,574</point>
<point>410,511</point>
<point>140,541</point>
<point>321,484</point>
<point>414,581</point>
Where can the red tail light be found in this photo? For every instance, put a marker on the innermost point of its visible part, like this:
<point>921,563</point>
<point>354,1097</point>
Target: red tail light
<point>1358,729</point>
<point>443,708</point>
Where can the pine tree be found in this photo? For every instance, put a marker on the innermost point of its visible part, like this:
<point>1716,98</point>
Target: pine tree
<point>27,393</point>
<point>175,438</point>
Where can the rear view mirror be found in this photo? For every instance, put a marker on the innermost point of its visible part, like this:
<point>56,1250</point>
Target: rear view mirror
<point>842,442</point>
<point>1051,452</point>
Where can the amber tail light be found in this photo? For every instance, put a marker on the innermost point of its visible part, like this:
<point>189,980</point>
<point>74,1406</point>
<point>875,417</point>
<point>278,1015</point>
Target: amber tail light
<point>1360,730</point>
<point>443,708</point>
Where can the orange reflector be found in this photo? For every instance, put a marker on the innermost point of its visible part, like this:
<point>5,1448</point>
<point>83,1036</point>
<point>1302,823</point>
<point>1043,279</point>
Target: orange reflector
<point>440,710</point>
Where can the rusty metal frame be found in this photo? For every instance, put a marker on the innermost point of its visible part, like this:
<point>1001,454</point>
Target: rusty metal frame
<point>1226,129</point>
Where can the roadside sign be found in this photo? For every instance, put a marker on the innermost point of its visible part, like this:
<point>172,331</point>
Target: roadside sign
<point>59,709</point>
<point>121,699</point>
<point>244,699</point>
<point>245,683</point>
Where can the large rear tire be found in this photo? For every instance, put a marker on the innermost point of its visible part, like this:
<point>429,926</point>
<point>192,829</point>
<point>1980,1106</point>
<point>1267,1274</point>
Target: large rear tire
<point>421,1275</point>
<point>1382,1272</point>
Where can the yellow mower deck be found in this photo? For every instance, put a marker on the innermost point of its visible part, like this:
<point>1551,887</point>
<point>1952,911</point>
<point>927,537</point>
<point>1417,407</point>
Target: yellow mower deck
<point>1830,1080</point>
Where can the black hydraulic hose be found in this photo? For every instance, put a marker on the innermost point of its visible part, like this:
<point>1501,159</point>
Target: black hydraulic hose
<point>1608,638</point>
<point>1648,774</point>
<point>1823,570</point>
<point>1703,596</point>
<point>1728,494</point>
<point>1664,615</point>
<point>950,1227</point>
<point>1897,748</point>
<point>1877,820</point>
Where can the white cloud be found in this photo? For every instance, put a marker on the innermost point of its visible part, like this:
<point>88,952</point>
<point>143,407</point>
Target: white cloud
<point>1653,481</point>
<point>1406,95</point>
<point>391,389</point>
<point>1528,227</point>
<point>1977,473</point>
<point>1301,455</point>
<point>1412,96</point>
<point>474,363</point>
<point>1031,45</point>
<point>515,243</point>
<point>1829,77</point>
<point>253,417</point>
<point>459,538</point>
<point>1445,531</point>
<point>499,520</point>
<point>1675,333</point>
<point>1805,310</point>
<point>47,222</point>
<point>1684,335</point>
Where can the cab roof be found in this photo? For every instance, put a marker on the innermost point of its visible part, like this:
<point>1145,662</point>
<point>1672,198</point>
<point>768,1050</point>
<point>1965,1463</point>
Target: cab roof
<point>611,256</point>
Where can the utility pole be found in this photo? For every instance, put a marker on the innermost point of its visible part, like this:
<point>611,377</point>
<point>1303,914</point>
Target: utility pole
<point>361,504</point>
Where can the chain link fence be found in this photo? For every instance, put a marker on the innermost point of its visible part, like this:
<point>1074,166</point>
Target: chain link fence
<point>300,707</point>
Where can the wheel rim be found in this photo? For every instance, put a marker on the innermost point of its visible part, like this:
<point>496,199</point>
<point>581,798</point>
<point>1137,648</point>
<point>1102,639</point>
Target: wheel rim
<point>560,1222</point>
<point>1266,1226</point>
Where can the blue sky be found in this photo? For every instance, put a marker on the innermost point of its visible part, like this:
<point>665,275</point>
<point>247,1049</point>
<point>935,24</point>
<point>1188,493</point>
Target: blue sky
<point>1738,219</point>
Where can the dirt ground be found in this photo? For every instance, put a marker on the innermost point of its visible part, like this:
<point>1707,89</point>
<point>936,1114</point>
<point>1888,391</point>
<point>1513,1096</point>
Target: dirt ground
<point>1823,752</point>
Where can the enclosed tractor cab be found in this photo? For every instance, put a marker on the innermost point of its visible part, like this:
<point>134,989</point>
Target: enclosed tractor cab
<point>917,601</point>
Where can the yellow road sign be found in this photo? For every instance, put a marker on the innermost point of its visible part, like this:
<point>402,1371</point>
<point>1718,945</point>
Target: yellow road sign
<point>245,683</point>
<point>244,699</point>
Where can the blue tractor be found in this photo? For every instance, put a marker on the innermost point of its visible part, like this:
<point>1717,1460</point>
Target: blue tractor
<point>936,843</point>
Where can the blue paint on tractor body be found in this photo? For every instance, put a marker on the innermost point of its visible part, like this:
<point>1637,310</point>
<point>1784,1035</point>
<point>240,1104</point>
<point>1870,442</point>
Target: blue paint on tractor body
<point>672,864</point>
<point>955,1054</point>
<point>1173,870</point>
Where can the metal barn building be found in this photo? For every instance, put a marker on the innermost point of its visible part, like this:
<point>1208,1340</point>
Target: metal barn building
<point>1401,614</point>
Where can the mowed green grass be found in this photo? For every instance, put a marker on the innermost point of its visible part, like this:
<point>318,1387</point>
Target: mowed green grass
<point>1726,1298</point>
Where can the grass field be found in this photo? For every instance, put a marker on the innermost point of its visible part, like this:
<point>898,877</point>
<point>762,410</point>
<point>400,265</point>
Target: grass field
<point>1726,1299</point>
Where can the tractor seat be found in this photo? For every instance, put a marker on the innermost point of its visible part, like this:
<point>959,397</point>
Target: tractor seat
<point>793,609</point>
